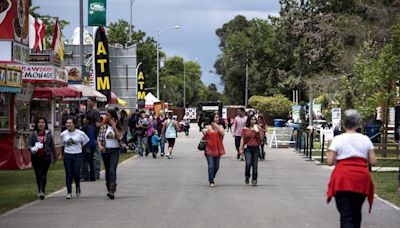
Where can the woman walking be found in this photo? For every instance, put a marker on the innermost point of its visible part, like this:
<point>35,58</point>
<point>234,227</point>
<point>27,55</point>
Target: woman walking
<point>213,134</point>
<point>109,144</point>
<point>43,152</point>
<point>251,138</point>
<point>73,141</point>
<point>350,182</point>
<point>170,130</point>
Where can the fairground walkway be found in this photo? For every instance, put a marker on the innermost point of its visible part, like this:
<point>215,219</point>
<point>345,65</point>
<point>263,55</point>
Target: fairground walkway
<point>175,193</point>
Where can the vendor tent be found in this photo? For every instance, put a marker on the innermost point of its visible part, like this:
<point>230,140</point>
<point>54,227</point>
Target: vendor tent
<point>150,99</point>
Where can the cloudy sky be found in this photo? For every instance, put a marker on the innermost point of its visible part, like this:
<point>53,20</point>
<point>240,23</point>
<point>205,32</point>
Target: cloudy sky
<point>198,21</point>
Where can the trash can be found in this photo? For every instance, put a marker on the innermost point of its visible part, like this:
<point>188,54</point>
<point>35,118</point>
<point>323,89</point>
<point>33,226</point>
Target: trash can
<point>279,122</point>
<point>372,130</point>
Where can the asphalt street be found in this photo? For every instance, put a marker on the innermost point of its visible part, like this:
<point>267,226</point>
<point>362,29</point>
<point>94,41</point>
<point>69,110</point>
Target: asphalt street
<point>175,193</point>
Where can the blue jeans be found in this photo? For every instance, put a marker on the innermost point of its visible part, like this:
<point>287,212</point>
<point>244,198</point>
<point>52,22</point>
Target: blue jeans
<point>97,162</point>
<point>72,165</point>
<point>162,145</point>
<point>237,142</point>
<point>251,154</point>
<point>142,143</point>
<point>88,161</point>
<point>213,166</point>
<point>110,159</point>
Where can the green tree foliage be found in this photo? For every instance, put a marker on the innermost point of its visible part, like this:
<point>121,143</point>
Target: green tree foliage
<point>171,83</point>
<point>375,76</point>
<point>277,106</point>
<point>308,43</point>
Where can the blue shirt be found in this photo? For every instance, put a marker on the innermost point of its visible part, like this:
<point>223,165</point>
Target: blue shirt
<point>154,140</point>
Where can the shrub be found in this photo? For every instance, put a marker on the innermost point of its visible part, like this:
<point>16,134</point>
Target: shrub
<point>277,106</point>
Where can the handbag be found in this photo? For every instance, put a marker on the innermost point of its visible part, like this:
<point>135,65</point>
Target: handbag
<point>202,144</point>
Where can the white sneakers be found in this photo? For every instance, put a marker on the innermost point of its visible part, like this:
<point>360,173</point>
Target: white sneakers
<point>69,196</point>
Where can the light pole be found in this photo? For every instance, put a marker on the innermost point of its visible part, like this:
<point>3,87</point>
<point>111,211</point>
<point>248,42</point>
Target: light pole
<point>130,23</point>
<point>158,56</point>
<point>184,83</point>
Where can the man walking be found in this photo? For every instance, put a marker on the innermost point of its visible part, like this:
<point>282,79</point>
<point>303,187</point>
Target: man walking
<point>94,114</point>
<point>240,123</point>
<point>141,126</point>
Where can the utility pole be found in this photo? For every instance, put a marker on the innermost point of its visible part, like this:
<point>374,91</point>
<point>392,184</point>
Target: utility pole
<point>81,50</point>
<point>247,82</point>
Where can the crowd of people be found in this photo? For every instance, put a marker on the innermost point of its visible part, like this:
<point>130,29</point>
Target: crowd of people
<point>86,135</point>
<point>89,137</point>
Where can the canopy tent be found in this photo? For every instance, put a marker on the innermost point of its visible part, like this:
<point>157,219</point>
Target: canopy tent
<point>59,92</point>
<point>88,91</point>
<point>117,100</point>
<point>150,99</point>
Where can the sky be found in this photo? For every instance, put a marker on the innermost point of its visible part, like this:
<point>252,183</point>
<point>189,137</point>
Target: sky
<point>197,20</point>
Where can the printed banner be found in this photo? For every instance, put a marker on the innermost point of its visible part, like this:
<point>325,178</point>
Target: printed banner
<point>141,93</point>
<point>14,20</point>
<point>102,64</point>
<point>296,113</point>
<point>97,12</point>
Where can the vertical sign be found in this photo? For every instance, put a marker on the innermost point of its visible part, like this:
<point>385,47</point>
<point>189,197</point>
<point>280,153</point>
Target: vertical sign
<point>336,118</point>
<point>102,64</point>
<point>141,93</point>
<point>97,12</point>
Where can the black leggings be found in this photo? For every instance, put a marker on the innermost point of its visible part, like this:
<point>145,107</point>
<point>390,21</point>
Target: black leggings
<point>41,165</point>
<point>349,205</point>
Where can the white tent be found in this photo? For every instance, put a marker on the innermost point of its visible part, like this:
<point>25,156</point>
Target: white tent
<point>150,99</point>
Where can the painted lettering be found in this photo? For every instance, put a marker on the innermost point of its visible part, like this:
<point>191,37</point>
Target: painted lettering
<point>141,95</point>
<point>102,62</point>
<point>103,83</point>
<point>101,49</point>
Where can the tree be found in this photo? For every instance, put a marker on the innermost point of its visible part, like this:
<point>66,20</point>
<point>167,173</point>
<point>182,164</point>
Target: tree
<point>171,82</point>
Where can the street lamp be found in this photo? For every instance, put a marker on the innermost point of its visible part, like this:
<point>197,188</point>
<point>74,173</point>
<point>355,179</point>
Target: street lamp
<point>130,24</point>
<point>184,83</point>
<point>158,56</point>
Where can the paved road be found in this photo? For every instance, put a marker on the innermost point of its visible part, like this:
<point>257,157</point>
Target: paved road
<point>175,193</point>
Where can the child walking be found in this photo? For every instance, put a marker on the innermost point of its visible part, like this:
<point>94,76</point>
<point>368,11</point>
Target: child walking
<point>155,139</point>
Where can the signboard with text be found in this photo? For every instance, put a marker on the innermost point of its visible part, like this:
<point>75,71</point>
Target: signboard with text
<point>44,73</point>
<point>141,93</point>
<point>102,64</point>
<point>97,12</point>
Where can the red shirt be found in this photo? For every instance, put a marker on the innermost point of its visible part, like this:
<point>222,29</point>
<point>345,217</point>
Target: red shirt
<point>42,138</point>
<point>214,146</point>
<point>250,137</point>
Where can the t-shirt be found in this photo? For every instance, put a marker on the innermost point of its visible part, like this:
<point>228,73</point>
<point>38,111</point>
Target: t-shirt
<point>95,114</point>
<point>73,141</point>
<point>41,138</point>
<point>170,131</point>
<point>110,138</point>
<point>240,122</point>
<point>145,123</point>
<point>349,145</point>
<point>154,140</point>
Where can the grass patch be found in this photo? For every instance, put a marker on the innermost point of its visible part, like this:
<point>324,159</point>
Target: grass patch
<point>18,187</point>
<point>386,186</point>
